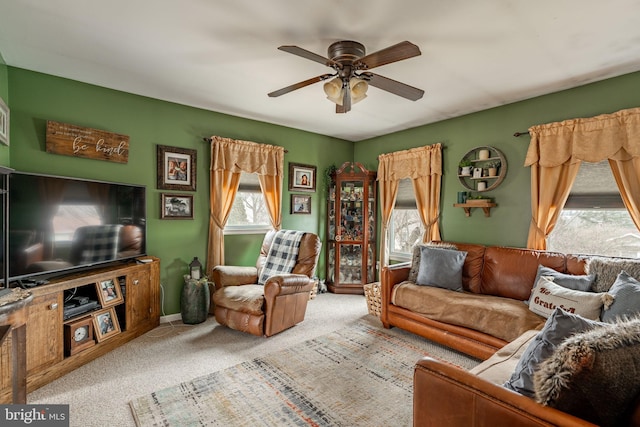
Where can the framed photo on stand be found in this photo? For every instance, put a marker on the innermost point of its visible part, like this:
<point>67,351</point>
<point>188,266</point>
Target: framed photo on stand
<point>105,324</point>
<point>302,177</point>
<point>176,168</point>
<point>109,292</point>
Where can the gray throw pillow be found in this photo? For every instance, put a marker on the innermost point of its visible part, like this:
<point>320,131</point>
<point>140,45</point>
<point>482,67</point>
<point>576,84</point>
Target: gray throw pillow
<point>559,326</point>
<point>626,294</point>
<point>415,257</point>
<point>441,268</point>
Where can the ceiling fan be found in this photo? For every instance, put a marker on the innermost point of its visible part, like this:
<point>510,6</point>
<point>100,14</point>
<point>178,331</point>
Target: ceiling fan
<point>351,76</point>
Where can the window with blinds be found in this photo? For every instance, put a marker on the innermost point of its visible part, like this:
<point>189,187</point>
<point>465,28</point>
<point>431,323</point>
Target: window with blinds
<point>406,227</point>
<point>594,219</point>
<point>248,213</point>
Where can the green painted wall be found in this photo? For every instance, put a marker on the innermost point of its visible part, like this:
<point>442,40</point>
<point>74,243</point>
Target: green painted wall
<point>36,98</point>
<point>509,221</point>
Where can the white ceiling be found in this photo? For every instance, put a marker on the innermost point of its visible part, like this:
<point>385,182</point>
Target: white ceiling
<point>222,55</point>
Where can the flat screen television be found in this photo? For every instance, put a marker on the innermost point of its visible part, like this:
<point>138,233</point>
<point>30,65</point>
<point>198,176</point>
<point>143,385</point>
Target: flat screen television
<point>57,225</point>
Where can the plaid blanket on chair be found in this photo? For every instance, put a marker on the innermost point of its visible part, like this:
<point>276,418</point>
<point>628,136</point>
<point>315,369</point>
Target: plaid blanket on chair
<point>282,255</point>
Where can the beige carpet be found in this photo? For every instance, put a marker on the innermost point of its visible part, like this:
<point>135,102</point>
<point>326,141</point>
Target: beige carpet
<point>360,375</point>
<point>98,393</point>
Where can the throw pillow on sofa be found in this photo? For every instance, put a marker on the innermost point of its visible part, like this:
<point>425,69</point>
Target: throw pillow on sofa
<point>557,328</point>
<point>415,257</point>
<point>546,296</point>
<point>626,303</point>
<point>594,375</point>
<point>569,281</point>
<point>441,268</point>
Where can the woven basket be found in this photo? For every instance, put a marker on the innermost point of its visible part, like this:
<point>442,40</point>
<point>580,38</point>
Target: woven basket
<point>374,298</point>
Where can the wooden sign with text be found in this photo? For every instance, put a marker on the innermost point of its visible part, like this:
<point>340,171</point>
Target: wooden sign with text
<point>76,141</point>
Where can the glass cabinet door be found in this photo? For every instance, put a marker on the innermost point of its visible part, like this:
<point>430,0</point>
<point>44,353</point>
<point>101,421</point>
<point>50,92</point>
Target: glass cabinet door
<point>351,229</point>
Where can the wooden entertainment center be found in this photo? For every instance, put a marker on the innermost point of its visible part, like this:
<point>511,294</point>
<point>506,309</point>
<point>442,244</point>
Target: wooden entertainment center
<point>52,350</point>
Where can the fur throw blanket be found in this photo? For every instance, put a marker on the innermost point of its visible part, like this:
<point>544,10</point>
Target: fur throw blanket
<point>607,269</point>
<point>594,375</point>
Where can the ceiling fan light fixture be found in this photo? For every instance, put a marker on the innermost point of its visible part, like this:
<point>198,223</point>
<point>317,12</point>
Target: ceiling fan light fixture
<point>358,88</point>
<point>333,89</point>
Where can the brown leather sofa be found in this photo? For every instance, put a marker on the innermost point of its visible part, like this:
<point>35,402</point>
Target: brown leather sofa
<point>490,271</point>
<point>444,395</point>
<point>268,310</point>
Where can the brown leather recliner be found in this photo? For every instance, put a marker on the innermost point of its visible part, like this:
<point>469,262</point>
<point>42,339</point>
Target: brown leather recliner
<point>240,303</point>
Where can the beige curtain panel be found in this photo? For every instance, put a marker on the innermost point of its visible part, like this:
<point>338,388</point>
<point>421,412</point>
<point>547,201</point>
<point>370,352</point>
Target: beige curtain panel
<point>423,165</point>
<point>230,157</point>
<point>556,151</point>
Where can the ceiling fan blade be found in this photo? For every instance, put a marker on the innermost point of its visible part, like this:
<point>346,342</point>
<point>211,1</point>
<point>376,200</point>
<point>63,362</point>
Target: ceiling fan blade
<point>300,85</point>
<point>394,87</point>
<point>308,55</point>
<point>397,52</point>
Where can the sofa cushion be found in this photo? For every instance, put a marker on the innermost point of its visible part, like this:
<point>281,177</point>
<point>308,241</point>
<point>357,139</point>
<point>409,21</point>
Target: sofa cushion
<point>570,281</point>
<point>557,328</point>
<point>626,294</point>
<point>594,375</point>
<point>417,254</point>
<point>246,298</point>
<point>547,296</point>
<point>441,268</point>
<point>499,367</point>
<point>502,318</point>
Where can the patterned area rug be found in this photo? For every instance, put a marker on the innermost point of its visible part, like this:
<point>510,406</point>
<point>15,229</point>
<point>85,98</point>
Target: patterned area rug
<point>358,376</point>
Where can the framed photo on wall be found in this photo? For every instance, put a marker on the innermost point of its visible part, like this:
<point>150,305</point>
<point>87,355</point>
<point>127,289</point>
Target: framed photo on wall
<point>109,292</point>
<point>4,123</point>
<point>105,324</point>
<point>176,206</point>
<point>176,168</point>
<point>302,177</point>
<point>300,204</point>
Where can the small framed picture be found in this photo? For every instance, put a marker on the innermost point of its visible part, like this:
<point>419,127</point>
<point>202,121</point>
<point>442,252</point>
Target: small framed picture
<point>300,204</point>
<point>109,292</point>
<point>176,168</point>
<point>176,206</point>
<point>302,177</point>
<point>4,123</point>
<point>105,324</point>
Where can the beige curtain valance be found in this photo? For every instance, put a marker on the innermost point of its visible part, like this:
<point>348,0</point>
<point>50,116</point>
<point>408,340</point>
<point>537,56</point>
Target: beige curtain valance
<point>413,163</point>
<point>235,156</point>
<point>608,136</point>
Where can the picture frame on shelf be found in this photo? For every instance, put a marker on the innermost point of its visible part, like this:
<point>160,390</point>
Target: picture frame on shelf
<point>4,123</point>
<point>176,206</point>
<point>105,324</point>
<point>109,292</point>
<point>302,177</point>
<point>176,168</point>
<point>300,204</point>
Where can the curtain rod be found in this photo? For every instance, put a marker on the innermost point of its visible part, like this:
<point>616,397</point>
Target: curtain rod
<point>517,134</point>
<point>208,140</point>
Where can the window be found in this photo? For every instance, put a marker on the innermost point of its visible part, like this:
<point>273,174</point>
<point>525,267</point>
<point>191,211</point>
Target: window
<point>249,212</point>
<point>594,219</point>
<point>406,228</point>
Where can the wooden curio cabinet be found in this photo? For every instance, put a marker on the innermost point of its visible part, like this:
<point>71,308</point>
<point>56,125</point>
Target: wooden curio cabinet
<point>351,229</point>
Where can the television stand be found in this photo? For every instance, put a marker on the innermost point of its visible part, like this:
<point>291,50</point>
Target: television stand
<point>52,351</point>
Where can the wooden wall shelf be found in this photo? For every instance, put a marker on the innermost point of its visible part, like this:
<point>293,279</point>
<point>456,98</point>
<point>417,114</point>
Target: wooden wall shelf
<point>486,207</point>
